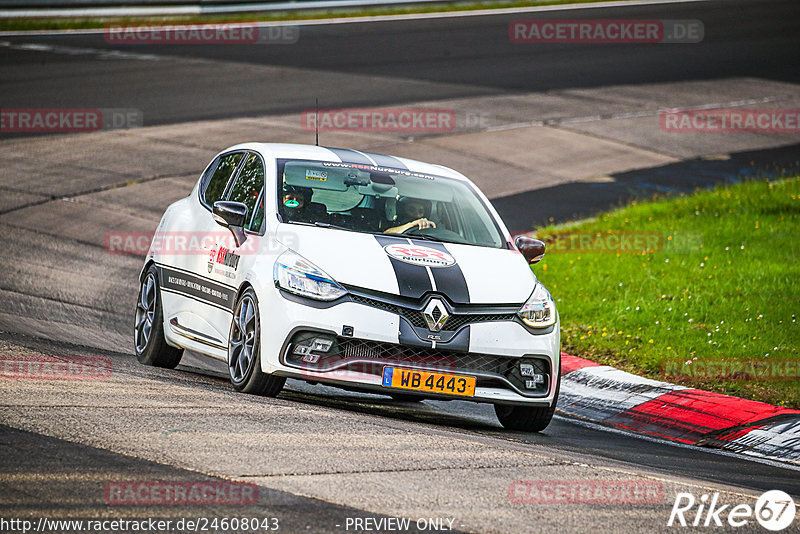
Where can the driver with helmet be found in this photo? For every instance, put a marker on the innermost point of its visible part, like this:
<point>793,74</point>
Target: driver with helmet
<point>411,213</point>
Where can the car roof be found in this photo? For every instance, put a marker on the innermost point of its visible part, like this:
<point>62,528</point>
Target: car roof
<point>321,153</point>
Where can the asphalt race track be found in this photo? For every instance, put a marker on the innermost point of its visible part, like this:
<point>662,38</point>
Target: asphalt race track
<point>321,456</point>
<point>384,63</point>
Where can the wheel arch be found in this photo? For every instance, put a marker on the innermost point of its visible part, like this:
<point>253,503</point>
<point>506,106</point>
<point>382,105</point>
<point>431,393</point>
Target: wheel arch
<point>244,286</point>
<point>145,268</point>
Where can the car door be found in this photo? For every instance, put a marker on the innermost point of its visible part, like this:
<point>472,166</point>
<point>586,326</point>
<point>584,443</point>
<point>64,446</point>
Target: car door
<point>197,303</point>
<point>229,263</point>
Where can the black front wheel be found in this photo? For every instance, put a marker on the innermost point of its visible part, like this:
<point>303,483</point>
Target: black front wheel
<point>526,418</point>
<point>244,350</point>
<point>148,333</point>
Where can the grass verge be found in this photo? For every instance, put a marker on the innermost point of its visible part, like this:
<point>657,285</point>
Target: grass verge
<point>77,23</point>
<point>701,290</point>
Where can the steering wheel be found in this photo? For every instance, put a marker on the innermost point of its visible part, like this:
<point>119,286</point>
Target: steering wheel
<point>417,230</point>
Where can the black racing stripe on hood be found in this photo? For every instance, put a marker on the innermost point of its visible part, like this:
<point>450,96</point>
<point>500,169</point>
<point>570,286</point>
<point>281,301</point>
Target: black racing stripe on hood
<point>386,161</point>
<point>450,281</point>
<point>412,280</point>
<point>350,156</point>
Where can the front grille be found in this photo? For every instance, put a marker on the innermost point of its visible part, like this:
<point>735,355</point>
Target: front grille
<point>457,321</point>
<point>350,348</point>
<point>369,357</point>
<point>416,318</point>
<point>375,303</point>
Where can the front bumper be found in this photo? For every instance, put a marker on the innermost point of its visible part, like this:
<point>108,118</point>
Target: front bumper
<point>365,339</point>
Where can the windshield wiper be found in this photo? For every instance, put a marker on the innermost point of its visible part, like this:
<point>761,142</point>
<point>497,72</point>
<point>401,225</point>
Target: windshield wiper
<point>319,224</point>
<point>432,238</point>
<point>329,225</point>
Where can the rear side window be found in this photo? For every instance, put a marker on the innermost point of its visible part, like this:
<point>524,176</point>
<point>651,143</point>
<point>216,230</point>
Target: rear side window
<point>218,175</point>
<point>248,187</point>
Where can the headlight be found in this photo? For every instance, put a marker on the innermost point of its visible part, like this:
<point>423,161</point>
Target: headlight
<point>296,274</point>
<point>540,310</point>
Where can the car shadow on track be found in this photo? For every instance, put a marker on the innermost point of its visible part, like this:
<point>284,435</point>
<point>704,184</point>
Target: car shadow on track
<point>366,403</point>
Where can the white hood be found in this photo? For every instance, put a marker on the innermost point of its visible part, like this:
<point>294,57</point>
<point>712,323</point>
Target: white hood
<point>479,275</point>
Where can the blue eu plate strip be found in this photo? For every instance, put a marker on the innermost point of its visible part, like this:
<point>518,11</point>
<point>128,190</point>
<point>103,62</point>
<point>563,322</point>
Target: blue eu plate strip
<point>387,376</point>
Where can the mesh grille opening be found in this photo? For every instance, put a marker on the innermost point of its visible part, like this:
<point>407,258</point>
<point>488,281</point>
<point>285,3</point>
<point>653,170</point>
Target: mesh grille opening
<point>369,357</point>
<point>416,318</point>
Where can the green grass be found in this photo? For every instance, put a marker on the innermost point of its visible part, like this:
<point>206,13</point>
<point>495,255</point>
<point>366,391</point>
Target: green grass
<point>72,23</point>
<point>725,285</point>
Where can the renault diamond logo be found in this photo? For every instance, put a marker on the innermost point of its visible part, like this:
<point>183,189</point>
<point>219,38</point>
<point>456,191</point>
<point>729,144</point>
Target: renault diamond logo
<point>435,315</point>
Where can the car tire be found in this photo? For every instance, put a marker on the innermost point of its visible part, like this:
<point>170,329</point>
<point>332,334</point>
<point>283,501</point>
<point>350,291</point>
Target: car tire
<point>244,350</point>
<point>148,334</point>
<point>526,418</point>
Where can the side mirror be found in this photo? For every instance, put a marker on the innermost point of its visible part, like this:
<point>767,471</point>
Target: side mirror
<point>532,249</point>
<point>231,215</point>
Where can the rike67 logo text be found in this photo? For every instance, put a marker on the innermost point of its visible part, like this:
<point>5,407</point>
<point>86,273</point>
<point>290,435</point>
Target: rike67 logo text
<point>774,510</point>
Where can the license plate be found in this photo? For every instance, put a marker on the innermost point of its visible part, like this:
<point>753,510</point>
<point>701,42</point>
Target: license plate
<point>394,377</point>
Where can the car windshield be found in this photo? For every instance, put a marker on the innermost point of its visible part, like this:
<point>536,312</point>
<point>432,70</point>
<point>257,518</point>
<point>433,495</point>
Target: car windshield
<point>373,199</point>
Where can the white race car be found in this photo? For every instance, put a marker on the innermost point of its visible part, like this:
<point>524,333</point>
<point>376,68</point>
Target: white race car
<point>358,270</point>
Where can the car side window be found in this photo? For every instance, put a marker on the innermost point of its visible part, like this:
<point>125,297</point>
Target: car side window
<point>247,189</point>
<point>220,172</point>
<point>258,216</point>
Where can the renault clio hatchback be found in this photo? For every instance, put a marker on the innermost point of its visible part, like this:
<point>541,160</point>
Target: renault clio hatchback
<point>358,270</point>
